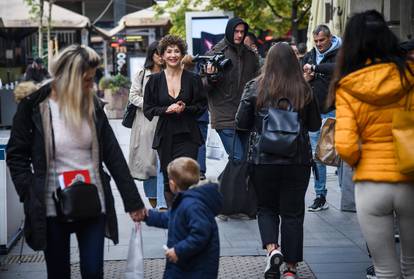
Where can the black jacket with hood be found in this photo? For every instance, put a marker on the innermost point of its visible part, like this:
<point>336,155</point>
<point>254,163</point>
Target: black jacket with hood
<point>224,95</point>
<point>28,164</point>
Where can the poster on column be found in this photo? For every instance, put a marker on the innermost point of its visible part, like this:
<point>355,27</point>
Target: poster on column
<point>205,29</point>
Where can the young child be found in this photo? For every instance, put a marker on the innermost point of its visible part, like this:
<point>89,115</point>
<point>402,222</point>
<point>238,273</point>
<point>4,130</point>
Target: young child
<point>193,239</point>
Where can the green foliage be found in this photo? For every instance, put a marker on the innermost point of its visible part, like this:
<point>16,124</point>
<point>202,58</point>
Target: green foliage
<point>273,15</point>
<point>114,83</point>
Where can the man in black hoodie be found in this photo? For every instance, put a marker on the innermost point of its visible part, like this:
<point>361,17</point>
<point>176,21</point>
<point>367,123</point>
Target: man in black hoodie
<point>225,92</point>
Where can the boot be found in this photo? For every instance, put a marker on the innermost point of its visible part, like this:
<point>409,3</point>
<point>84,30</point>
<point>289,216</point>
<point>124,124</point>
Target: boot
<point>153,202</point>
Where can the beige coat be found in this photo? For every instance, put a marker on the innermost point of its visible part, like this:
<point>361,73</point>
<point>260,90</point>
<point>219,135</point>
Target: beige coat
<point>142,158</point>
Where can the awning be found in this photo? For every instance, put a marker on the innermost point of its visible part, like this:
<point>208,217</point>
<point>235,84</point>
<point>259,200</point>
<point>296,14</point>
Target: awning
<point>15,14</point>
<point>145,18</point>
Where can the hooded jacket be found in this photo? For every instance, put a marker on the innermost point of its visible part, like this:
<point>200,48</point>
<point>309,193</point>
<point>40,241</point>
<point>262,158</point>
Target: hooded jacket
<point>324,68</point>
<point>27,159</point>
<point>365,103</point>
<point>224,95</point>
<point>192,232</point>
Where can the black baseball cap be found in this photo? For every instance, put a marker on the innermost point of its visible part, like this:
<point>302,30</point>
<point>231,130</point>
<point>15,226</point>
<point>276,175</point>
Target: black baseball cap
<point>39,61</point>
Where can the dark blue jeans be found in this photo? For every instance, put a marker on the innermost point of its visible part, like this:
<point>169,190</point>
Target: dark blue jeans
<point>226,136</point>
<point>90,235</point>
<point>201,158</point>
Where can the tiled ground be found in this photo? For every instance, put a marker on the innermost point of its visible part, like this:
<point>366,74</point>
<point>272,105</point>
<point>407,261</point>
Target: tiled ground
<point>333,247</point>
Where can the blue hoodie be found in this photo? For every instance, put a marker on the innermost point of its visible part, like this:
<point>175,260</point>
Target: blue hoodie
<point>192,232</point>
<point>336,43</point>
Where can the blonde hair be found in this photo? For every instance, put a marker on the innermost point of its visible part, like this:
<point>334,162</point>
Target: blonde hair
<point>24,89</point>
<point>68,70</point>
<point>184,171</point>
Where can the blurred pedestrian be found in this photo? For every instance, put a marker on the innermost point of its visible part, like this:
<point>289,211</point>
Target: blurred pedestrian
<point>142,158</point>
<point>280,182</point>
<point>177,97</point>
<point>318,66</point>
<point>36,71</point>
<point>372,82</point>
<point>58,130</point>
<point>193,246</point>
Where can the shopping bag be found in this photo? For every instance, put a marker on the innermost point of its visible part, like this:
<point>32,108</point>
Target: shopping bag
<point>135,260</point>
<point>325,149</point>
<point>239,195</point>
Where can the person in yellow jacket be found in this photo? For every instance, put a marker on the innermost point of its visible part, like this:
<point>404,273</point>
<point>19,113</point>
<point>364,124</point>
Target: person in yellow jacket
<point>372,81</point>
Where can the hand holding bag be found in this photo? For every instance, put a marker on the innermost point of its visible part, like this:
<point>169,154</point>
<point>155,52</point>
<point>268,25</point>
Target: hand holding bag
<point>135,260</point>
<point>325,151</point>
<point>403,137</point>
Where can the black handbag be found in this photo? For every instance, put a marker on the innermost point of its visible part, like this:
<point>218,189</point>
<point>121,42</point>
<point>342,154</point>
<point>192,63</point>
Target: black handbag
<point>129,115</point>
<point>131,109</point>
<point>239,195</point>
<point>79,200</point>
<point>280,131</point>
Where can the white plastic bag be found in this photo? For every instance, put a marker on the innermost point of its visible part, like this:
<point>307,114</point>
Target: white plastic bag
<point>135,260</point>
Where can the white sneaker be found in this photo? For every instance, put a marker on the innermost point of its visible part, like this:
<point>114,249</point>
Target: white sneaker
<point>273,262</point>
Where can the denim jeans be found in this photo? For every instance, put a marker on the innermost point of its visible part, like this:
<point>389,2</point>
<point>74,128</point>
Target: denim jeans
<point>150,187</point>
<point>320,184</point>
<point>90,235</point>
<point>226,136</point>
<point>201,157</point>
<point>160,187</point>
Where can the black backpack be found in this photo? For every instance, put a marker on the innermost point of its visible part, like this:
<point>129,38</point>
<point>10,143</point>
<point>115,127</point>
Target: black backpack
<point>280,131</point>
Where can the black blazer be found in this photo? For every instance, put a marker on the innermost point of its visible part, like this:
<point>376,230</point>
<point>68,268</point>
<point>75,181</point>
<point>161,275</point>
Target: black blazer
<point>248,118</point>
<point>26,158</point>
<point>157,100</point>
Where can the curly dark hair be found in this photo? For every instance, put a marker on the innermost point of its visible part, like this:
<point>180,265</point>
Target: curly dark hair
<point>172,40</point>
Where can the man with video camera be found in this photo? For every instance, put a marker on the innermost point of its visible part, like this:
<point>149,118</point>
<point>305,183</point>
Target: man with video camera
<point>225,83</point>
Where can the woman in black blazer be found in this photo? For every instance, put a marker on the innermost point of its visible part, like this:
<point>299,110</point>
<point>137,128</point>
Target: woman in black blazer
<point>178,98</point>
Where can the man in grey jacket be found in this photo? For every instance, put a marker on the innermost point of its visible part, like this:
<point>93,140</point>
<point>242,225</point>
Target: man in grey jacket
<point>224,93</point>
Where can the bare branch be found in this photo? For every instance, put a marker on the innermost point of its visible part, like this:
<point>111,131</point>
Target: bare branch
<point>299,19</point>
<point>274,11</point>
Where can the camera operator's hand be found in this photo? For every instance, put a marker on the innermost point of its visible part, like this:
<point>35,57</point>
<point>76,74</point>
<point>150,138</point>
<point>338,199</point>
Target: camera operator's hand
<point>308,75</point>
<point>308,68</point>
<point>210,69</point>
<point>173,108</point>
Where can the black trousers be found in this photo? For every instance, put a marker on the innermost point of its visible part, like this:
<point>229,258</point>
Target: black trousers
<point>180,147</point>
<point>281,201</point>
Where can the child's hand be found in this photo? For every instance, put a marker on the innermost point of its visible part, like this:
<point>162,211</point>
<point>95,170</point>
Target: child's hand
<point>171,255</point>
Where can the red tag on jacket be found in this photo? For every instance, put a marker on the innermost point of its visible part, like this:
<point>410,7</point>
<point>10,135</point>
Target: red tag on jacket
<point>67,178</point>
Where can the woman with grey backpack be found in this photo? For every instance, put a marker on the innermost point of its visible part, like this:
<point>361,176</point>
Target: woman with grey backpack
<point>278,109</point>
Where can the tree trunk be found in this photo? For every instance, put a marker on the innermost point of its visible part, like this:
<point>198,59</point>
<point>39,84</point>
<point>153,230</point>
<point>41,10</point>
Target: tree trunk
<point>294,22</point>
<point>40,45</point>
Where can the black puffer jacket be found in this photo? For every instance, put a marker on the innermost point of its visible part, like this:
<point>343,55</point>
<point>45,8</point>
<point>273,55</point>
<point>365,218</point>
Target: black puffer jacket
<point>224,95</point>
<point>248,118</point>
<point>323,74</point>
<point>26,158</point>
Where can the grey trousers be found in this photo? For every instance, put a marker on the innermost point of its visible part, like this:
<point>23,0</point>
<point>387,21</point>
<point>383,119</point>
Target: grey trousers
<point>376,205</point>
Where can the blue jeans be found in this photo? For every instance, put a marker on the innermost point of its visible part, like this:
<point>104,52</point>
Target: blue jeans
<point>320,184</point>
<point>160,187</point>
<point>226,136</point>
<point>90,235</point>
<point>201,157</point>
<point>150,187</point>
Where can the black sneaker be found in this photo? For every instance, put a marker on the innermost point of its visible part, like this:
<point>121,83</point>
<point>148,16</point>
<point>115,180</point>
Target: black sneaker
<point>318,204</point>
<point>371,272</point>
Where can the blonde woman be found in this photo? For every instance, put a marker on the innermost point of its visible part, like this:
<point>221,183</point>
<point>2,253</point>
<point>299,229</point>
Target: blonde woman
<point>61,129</point>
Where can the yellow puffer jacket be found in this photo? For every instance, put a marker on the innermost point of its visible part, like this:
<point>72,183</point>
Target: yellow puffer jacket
<point>365,103</point>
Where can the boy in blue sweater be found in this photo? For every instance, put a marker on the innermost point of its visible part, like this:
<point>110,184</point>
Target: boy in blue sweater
<point>193,239</point>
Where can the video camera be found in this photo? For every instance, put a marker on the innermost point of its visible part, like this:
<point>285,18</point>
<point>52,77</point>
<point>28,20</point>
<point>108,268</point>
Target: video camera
<point>218,61</point>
